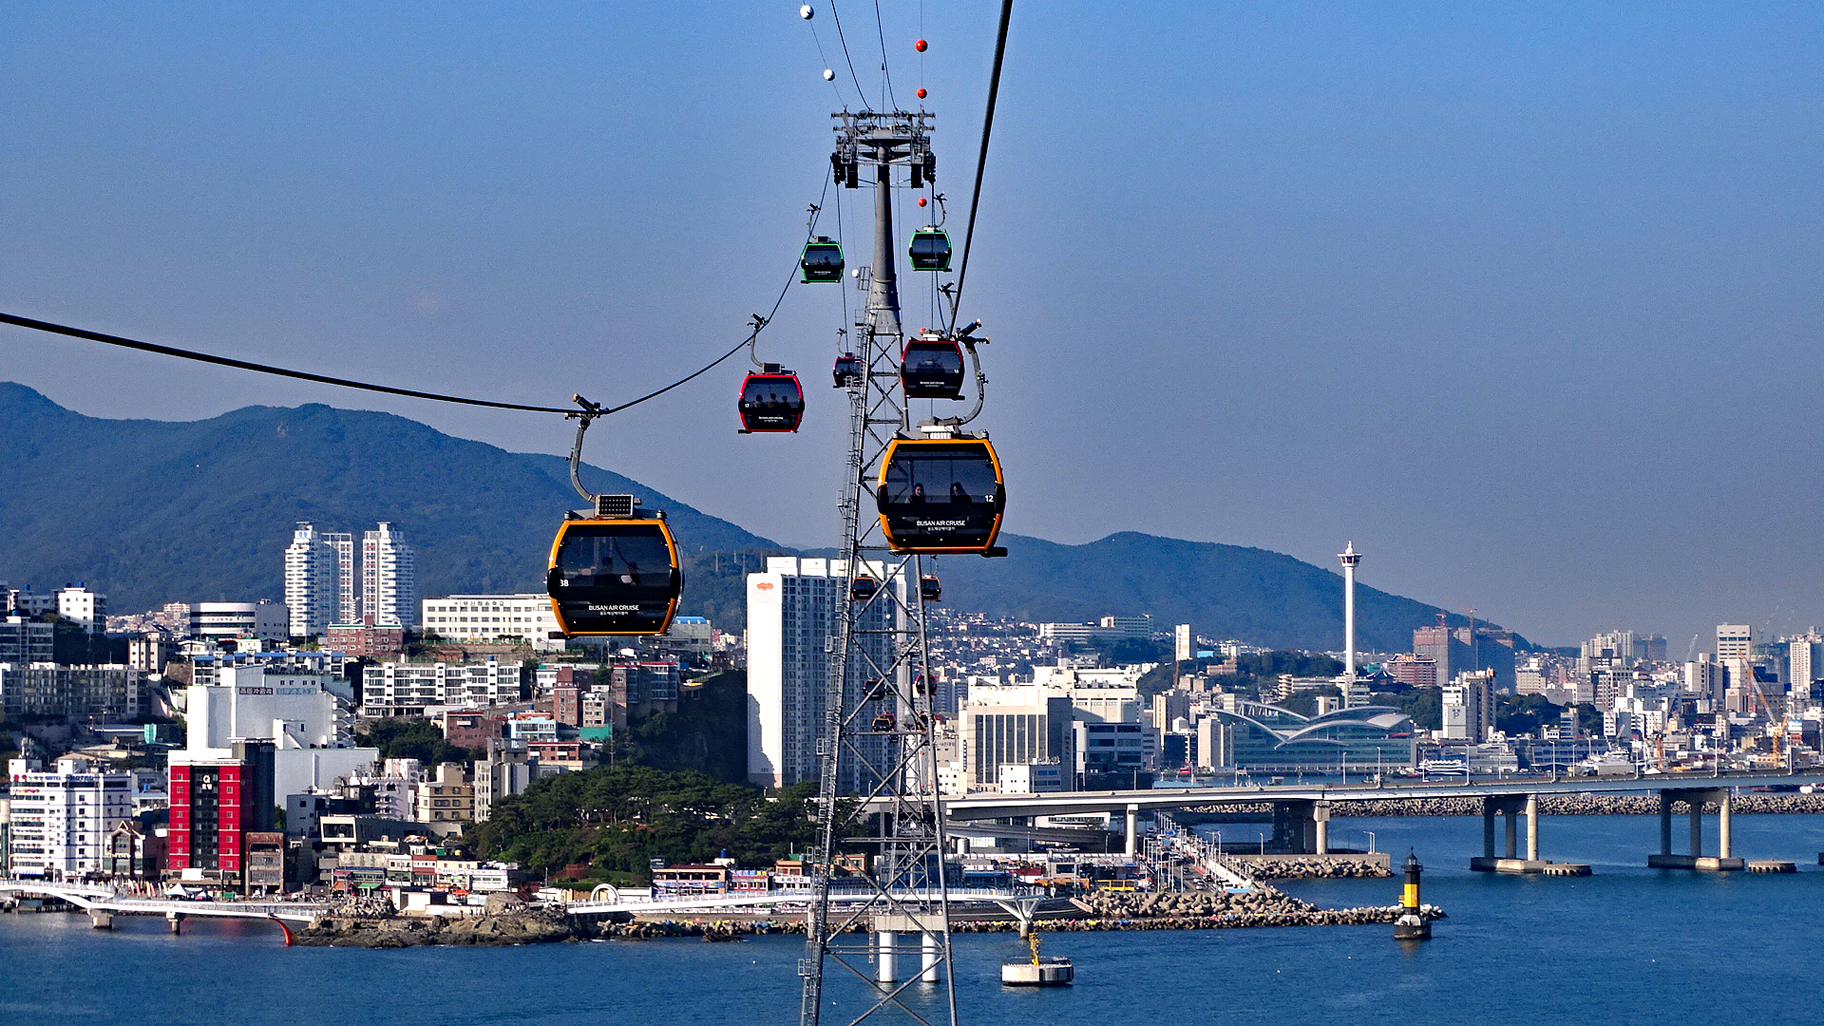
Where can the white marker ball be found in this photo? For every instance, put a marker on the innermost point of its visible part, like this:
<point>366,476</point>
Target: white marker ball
<point>806,12</point>
<point>828,75</point>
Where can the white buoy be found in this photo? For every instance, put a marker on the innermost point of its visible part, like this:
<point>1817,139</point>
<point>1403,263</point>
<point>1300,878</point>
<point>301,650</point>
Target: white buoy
<point>828,75</point>
<point>806,12</point>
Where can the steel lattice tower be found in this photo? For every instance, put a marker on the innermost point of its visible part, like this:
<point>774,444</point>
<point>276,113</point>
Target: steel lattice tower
<point>876,748</point>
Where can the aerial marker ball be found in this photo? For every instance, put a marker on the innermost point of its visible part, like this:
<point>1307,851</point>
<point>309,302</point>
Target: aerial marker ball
<point>828,75</point>
<point>806,12</point>
<point>919,46</point>
<point>921,92</point>
<point>921,201</point>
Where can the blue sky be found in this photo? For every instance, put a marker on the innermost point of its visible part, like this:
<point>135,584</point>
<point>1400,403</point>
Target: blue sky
<point>1523,299</point>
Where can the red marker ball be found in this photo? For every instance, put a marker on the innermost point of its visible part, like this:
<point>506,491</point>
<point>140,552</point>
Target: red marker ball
<point>919,46</point>
<point>921,92</point>
<point>921,201</point>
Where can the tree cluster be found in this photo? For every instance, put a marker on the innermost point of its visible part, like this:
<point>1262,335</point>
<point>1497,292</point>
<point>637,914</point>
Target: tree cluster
<point>617,820</point>
<point>412,739</point>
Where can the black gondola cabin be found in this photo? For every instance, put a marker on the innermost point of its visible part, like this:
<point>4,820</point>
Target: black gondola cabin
<point>932,368</point>
<point>614,577</point>
<point>930,249</point>
<point>940,495</point>
<point>847,370</point>
<point>821,262</point>
<point>771,400</point>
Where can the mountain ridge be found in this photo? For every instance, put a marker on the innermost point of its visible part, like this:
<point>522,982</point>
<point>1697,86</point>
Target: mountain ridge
<point>118,503</point>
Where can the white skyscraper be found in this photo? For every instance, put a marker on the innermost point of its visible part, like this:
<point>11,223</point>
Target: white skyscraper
<point>1804,663</point>
<point>1734,641</point>
<point>311,570</point>
<point>789,610</point>
<point>389,589</point>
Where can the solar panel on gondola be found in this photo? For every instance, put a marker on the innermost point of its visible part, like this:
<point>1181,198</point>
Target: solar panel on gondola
<point>940,495</point>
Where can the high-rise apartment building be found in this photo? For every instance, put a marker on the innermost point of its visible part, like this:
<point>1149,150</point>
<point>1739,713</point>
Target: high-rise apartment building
<point>348,592</point>
<point>312,569</point>
<point>1455,650</point>
<point>389,589</point>
<point>790,608</point>
<point>1804,662</point>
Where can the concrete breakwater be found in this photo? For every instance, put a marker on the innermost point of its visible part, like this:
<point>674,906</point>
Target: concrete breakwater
<point>1745,803</point>
<point>1165,910</point>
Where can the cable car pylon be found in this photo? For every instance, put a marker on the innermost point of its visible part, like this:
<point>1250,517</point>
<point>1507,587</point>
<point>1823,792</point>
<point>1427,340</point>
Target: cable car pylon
<point>886,949</point>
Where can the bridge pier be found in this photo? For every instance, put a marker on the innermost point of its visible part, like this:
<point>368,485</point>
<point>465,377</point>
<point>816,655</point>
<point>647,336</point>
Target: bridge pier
<point>100,920</point>
<point>1133,831</point>
<point>1296,830</point>
<point>928,971</point>
<point>1320,819</point>
<point>886,960</point>
<point>1510,807</point>
<point>1694,799</point>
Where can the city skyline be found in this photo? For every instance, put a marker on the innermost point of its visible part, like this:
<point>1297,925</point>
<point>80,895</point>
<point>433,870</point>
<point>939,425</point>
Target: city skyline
<point>1233,261</point>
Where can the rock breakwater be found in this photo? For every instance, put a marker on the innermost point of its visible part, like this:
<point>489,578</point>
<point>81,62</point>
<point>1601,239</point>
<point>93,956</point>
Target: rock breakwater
<point>521,926</point>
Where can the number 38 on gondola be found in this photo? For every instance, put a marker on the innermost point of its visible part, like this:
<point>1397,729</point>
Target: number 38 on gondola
<point>941,495</point>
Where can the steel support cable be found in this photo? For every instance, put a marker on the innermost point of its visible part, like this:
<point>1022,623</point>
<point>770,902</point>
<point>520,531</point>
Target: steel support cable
<point>880,29</point>
<point>850,61</point>
<point>981,161</point>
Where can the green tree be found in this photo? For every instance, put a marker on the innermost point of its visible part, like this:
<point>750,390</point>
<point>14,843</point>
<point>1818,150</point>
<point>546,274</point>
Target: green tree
<point>1424,705</point>
<point>618,819</point>
<point>1523,714</point>
<point>1305,702</point>
<point>412,739</point>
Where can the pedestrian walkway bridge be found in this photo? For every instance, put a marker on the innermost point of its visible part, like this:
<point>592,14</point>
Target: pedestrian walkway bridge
<point>102,902</point>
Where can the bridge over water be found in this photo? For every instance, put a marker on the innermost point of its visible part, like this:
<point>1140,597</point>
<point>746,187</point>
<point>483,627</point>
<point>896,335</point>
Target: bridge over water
<point>103,903</point>
<point>1301,812</point>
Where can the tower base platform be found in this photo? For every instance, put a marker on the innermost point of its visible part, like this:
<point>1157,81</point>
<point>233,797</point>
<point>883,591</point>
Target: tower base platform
<point>1701,863</point>
<point>1541,867</point>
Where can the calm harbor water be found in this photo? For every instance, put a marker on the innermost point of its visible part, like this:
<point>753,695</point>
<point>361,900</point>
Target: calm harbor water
<point>1628,945</point>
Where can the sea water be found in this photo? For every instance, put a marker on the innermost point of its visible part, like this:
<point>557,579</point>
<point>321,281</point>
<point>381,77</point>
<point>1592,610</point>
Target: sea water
<point>1626,945</point>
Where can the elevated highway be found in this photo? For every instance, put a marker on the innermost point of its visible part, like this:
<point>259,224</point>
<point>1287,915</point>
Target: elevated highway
<point>1301,812</point>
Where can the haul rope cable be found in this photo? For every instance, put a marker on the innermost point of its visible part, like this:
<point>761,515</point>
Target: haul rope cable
<point>759,324</point>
